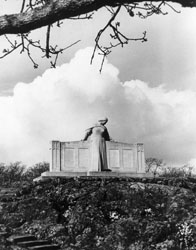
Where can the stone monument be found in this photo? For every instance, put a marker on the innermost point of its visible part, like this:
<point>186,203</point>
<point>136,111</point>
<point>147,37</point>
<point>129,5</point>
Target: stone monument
<point>96,155</point>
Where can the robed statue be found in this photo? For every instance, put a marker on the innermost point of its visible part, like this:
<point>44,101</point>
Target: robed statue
<point>98,135</point>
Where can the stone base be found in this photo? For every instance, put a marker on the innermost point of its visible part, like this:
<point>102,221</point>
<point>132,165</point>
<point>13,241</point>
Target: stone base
<point>103,174</point>
<point>118,174</point>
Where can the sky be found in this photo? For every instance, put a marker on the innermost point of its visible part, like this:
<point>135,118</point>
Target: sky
<point>147,90</point>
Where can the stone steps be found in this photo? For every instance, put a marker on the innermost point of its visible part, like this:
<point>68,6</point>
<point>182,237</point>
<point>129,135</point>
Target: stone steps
<point>33,243</point>
<point>30,242</point>
<point>45,247</point>
<point>14,239</point>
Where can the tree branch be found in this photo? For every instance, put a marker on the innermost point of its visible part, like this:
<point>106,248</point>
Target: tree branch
<point>101,31</point>
<point>55,10</point>
<point>48,42</point>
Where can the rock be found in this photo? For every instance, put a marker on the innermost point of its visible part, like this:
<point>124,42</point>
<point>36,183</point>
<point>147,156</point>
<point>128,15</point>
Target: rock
<point>38,179</point>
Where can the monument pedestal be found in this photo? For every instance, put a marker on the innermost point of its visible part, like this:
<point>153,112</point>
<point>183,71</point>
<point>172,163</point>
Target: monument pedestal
<point>103,174</point>
<point>73,159</point>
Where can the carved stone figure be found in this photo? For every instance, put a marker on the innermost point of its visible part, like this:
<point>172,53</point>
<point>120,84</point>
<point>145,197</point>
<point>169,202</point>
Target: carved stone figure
<point>98,135</point>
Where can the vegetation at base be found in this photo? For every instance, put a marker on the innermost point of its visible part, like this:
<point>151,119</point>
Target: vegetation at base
<point>158,167</point>
<point>111,213</point>
<point>14,173</point>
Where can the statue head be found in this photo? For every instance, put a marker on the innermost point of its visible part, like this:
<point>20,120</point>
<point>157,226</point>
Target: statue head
<point>103,120</point>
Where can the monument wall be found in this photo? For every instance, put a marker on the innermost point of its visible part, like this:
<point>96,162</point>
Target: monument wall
<point>75,156</point>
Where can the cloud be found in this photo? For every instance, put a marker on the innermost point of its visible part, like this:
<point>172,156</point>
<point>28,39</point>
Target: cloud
<point>63,102</point>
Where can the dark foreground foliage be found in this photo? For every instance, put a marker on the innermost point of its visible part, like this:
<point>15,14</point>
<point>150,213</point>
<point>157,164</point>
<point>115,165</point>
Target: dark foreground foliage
<point>114,213</point>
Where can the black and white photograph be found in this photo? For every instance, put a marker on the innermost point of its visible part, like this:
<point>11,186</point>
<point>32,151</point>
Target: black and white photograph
<point>97,125</point>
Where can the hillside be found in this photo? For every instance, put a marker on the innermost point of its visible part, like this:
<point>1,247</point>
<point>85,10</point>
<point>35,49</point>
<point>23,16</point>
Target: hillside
<point>113,213</point>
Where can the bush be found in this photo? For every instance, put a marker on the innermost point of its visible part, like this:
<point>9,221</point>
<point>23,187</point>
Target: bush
<point>168,172</point>
<point>158,168</point>
<point>15,173</point>
<point>35,171</point>
<point>114,214</point>
<point>11,173</point>
<point>119,214</point>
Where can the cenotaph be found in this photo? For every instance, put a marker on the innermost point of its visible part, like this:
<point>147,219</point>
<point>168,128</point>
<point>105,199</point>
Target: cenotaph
<point>96,155</point>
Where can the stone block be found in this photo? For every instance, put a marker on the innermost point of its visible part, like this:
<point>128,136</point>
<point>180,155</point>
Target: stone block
<point>103,174</point>
<point>63,174</point>
<point>118,174</point>
<point>75,157</point>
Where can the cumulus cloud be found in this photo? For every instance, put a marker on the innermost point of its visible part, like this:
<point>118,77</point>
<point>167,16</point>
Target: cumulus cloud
<point>63,102</point>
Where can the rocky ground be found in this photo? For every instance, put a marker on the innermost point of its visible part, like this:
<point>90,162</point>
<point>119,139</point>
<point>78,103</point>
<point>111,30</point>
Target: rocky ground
<point>96,213</point>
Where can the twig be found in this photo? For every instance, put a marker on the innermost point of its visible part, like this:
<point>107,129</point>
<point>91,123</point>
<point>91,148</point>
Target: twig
<point>177,11</point>
<point>53,64</point>
<point>23,5</point>
<point>118,38</point>
<point>7,52</point>
<point>87,16</point>
<point>101,31</point>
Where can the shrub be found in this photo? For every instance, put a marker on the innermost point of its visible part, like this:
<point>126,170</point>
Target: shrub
<point>16,173</point>
<point>35,171</point>
<point>11,173</point>
<point>175,172</point>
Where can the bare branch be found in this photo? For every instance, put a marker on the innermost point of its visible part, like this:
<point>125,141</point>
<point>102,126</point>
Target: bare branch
<point>37,13</point>
<point>82,17</point>
<point>177,11</point>
<point>101,31</point>
<point>119,38</point>
<point>7,51</point>
<point>27,44</point>
<point>48,41</point>
<point>57,52</point>
<point>9,41</point>
<point>23,6</point>
<point>110,9</point>
<point>43,13</point>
